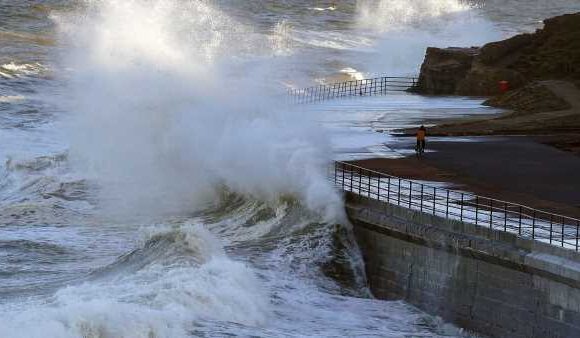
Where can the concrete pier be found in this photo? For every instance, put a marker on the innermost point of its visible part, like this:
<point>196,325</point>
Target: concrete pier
<point>491,282</point>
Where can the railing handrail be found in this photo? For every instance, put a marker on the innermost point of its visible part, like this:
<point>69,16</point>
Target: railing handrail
<point>459,192</point>
<point>482,211</point>
<point>368,86</point>
<point>409,79</point>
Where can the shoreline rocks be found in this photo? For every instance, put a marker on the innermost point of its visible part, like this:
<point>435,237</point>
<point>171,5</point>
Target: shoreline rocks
<point>535,97</point>
<point>551,53</point>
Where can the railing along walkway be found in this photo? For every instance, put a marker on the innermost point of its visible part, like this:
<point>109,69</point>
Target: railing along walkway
<point>366,87</point>
<point>487,212</point>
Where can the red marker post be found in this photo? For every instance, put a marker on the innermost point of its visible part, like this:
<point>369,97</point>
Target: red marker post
<point>504,86</point>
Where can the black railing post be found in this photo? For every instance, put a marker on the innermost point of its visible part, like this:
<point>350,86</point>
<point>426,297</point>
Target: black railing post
<point>476,209</point>
<point>399,193</point>
<point>551,227</point>
<point>520,222</point>
<point>421,207</point>
<point>505,213</point>
<point>335,172</point>
<point>563,231</point>
<point>447,205</point>
<point>461,212</point>
<point>490,213</point>
<point>343,187</point>
<point>577,233</point>
<point>382,85</point>
<point>369,192</point>
<point>379,186</point>
<point>434,199</point>
<point>410,192</point>
<point>534,224</point>
<point>388,189</point>
<point>360,181</point>
<point>351,178</point>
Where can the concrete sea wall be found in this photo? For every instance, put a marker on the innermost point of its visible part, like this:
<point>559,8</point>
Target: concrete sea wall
<point>487,281</point>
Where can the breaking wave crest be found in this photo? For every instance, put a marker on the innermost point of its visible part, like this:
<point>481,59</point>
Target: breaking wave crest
<point>179,279</point>
<point>12,69</point>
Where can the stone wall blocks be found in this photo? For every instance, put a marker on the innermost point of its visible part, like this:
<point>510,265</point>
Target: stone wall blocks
<point>545,327</point>
<point>486,281</point>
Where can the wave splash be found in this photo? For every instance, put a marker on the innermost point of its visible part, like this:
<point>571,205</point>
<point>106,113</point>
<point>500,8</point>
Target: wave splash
<point>172,106</point>
<point>403,29</point>
<point>392,15</point>
<point>169,103</point>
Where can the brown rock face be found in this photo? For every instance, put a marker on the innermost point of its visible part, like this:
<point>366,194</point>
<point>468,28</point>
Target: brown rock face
<point>444,69</point>
<point>552,53</point>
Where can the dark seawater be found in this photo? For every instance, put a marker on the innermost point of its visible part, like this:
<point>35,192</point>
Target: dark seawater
<point>151,185</point>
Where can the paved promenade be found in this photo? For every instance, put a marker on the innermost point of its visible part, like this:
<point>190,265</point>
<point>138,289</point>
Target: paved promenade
<point>518,169</point>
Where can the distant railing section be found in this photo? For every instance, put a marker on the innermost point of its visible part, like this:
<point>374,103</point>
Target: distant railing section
<point>366,87</point>
<point>482,211</point>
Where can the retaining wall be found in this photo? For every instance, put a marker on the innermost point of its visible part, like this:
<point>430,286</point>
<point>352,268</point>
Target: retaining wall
<point>487,281</point>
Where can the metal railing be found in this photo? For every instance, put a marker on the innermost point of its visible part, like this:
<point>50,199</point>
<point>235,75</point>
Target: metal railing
<point>366,87</point>
<point>482,211</point>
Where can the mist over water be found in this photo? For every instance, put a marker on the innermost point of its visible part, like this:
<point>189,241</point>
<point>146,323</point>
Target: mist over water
<point>168,105</point>
<point>154,183</point>
<point>403,28</point>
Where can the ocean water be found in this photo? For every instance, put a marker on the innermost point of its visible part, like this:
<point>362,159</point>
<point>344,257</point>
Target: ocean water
<point>154,184</point>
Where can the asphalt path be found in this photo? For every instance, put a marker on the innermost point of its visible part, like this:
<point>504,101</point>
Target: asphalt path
<point>516,169</point>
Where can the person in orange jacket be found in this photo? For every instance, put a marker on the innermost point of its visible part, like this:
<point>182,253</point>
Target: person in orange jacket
<point>421,136</point>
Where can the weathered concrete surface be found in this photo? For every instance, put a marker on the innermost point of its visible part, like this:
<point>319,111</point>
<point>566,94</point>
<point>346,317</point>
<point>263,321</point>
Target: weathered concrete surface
<point>487,281</point>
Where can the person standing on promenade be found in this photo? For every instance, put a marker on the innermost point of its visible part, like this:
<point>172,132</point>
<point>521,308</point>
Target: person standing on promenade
<point>421,136</point>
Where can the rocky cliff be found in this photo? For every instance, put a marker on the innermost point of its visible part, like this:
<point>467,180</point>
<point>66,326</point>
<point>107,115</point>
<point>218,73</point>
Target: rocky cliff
<point>551,53</point>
